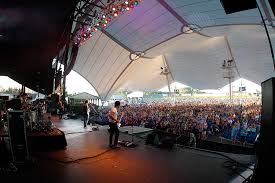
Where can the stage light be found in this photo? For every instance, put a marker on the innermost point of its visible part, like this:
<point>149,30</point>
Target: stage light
<point>112,10</point>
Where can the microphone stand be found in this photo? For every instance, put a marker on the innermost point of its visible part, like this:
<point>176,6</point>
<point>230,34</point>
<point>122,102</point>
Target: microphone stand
<point>131,144</point>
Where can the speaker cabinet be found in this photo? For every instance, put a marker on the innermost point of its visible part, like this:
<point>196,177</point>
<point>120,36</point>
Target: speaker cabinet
<point>265,142</point>
<point>268,101</point>
<point>18,136</point>
<point>272,5</point>
<point>233,6</point>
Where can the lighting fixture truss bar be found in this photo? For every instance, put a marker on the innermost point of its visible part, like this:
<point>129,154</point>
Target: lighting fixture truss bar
<point>86,5</point>
<point>82,23</point>
<point>94,4</point>
<point>87,14</point>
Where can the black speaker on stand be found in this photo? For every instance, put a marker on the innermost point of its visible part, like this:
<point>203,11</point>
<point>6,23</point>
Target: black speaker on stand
<point>18,136</point>
<point>272,5</point>
<point>232,6</point>
<point>265,143</point>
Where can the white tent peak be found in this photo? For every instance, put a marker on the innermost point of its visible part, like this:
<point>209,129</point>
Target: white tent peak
<point>137,94</point>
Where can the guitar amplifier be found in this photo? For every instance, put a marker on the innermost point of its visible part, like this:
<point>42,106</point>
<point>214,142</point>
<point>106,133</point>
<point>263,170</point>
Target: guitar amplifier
<point>18,136</point>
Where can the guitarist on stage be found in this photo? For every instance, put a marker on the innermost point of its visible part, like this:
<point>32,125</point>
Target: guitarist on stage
<point>114,122</point>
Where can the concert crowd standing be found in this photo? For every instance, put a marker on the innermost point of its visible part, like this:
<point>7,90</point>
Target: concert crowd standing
<point>204,118</point>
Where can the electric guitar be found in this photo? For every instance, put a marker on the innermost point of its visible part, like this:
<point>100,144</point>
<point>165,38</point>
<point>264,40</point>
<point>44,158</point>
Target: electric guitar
<point>119,123</point>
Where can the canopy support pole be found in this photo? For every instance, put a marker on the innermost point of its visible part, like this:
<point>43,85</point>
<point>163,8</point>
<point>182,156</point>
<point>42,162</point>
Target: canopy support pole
<point>230,89</point>
<point>167,74</point>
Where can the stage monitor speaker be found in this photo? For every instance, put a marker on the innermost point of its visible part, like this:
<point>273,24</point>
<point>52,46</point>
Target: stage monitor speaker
<point>150,138</point>
<point>4,98</point>
<point>18,136</point>
<point>265,142</point>
<point>272,5</point>
<point>233,6</point>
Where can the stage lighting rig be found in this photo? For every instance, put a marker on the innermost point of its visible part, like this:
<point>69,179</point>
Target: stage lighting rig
<point>229,72</point>
<point>93,15</point>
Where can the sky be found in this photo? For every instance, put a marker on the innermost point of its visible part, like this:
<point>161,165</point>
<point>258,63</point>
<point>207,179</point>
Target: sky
<point>77,84</point>
<point>6,82</point>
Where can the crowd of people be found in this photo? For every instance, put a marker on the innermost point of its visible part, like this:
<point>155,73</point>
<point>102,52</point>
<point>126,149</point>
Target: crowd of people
<point>237,120</point>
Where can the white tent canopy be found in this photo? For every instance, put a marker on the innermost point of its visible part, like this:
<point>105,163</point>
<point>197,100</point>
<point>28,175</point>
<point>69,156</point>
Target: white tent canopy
<point>135,95</point>
<point>193,59</point>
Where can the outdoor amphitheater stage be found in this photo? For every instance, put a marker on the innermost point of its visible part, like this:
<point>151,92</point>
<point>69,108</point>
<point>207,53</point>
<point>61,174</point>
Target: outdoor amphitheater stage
<point>87,158</point>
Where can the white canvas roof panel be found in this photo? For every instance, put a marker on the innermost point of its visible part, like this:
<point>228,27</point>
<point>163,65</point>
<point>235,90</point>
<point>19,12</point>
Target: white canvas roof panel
<point>193,59</point>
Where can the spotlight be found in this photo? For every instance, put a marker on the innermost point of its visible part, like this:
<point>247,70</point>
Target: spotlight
<point>114,9</point>
<point>115,14</point>
<point>126,2</point>
<point>127,8</point>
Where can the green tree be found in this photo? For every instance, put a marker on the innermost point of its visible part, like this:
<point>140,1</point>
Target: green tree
<point>12,90</point>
